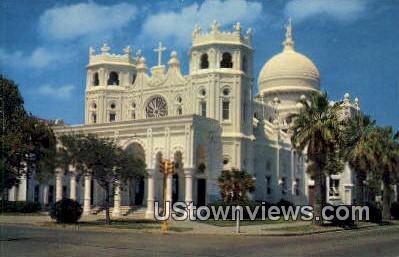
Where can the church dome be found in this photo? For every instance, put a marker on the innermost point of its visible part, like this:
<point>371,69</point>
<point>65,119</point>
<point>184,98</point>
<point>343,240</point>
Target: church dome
<point>289,70</point>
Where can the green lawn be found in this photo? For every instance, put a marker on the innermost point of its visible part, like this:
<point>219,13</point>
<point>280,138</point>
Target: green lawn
<point>232,223</point>
<point>129,224</point>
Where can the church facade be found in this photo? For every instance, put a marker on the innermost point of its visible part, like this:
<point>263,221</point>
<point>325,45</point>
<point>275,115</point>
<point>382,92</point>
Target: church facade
<point>206,121</point>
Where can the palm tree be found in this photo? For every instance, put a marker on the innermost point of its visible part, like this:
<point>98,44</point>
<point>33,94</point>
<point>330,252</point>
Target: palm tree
<point>356,133</point>
<point>382,149</point>
<point>317,128</point>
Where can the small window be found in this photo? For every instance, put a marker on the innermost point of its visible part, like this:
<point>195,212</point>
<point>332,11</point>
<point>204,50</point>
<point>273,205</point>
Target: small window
<point>133,105</point>
<point>203,109</point>
<point>179,99</point>
<point>204,62</point>
<point>113,78</point>
<point>268,181</point>
<point>96,80</point>
<point>133,115</point>
<point>112,117</point>
<point>225,161</point>
<point>94,118</point>
<point>226,61</point>
<point>134,78</point>
<point>296,186</point>
<point>226,92</point>
<point>179,110</point>
<point>113,106</point>
<point>334,187</point>
<point>202,92</point>
<point>226,110</point>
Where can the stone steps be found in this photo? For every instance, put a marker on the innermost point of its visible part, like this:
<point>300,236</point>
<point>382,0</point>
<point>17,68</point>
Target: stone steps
<point>137,212</point>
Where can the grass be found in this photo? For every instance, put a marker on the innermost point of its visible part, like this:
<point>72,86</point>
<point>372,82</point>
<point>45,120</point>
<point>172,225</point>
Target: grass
<point>123,224</point>
<point>232,223</point>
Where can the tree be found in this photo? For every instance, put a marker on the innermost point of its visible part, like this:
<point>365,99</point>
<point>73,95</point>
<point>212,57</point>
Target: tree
<point>235,184</point>
<point>317,129</point>
<point>27,142</point>
<point>383,151</point>
<point>107,163</point>
<point>356,134</point>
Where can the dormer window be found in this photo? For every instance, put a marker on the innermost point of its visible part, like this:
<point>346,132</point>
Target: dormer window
<point>226,60</point>
<point>113,78</point>
<point>204,61</point>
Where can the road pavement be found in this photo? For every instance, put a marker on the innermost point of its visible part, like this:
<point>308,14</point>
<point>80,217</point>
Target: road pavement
<point>27,241</point>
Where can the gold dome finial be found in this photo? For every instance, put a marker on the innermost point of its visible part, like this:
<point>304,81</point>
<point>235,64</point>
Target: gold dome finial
<point>288,42</point>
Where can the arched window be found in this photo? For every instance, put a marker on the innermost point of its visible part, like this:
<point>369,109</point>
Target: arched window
<point>134,78</point>
<point>226,61</point>
<point>203,108</point>
<point>133,114</point>
<point>112,117</point>
<point>244,63</point>
<point>96,80</point>
<point>179,111</point>
<point>113,78</point>
<point>94,118</point>
<point>226,109</point>
<point>204,61</point>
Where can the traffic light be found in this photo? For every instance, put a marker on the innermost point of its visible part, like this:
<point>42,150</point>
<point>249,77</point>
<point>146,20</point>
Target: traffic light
<point>162,165</point>
<point>170,167</point>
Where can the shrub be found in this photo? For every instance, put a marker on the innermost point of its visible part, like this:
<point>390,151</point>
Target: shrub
<point>66,211</point>
<point>395,210</point>
<point>19,206</point>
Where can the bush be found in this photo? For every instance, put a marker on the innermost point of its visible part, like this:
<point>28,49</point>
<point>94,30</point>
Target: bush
<point>375,213</point>
<point>395,210</point>
<point>19,206</point>
<point>66,211</point>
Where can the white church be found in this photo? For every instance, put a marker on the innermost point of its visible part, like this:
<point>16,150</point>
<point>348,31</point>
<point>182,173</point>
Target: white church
<point>206,121</point>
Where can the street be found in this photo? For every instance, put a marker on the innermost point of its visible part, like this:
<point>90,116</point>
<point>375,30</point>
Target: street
<point>23,241</point>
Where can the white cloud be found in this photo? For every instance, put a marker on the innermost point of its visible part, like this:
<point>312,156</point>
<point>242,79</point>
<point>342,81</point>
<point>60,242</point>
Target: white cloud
<point>39,58</point>
<point>61,92</point>
<point>342,10</point>
<point>85,19</point>
<point>179,25</point>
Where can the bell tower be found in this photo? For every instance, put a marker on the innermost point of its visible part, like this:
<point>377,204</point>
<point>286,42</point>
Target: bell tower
<point>221,75</point>
<point>109,76</point>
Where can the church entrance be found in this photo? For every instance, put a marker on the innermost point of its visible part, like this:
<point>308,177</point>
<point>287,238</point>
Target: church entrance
<point>139,191</point>
<point>201,192</point>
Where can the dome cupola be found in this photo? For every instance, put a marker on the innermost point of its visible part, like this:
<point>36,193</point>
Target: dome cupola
<point>288,71</point>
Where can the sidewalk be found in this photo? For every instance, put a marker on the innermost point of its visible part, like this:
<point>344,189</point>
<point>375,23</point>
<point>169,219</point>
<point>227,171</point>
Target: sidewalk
<point>179,227</point>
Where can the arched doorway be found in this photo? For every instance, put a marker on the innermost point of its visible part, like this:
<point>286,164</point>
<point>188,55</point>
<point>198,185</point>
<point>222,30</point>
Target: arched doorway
<point>201,174</point>
<point>137,192</point>
<point>178,160</point>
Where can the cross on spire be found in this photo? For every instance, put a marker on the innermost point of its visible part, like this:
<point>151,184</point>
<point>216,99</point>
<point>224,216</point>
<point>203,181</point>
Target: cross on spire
<point>289,42</point>
<point>160,49</point>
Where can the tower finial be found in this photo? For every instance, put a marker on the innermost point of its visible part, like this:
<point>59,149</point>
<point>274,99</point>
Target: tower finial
<point>288,42</point>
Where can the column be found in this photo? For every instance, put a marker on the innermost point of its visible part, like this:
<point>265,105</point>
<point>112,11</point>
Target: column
<point>86,201</point>
<point>12,194</point>
<point>169,185</point>
<point>73,187</point>
<point>22,189</point>
<point>117,200</point>
<point>58,185</point>
<point>44,194</point>
<point>188,175</point>
<point>149,214</point>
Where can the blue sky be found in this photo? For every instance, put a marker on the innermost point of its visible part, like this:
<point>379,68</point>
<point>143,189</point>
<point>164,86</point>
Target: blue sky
<point>354,43</point>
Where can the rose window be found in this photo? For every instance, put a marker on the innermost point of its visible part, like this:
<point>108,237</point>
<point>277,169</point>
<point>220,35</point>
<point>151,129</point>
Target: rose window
<point>156,107</point>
